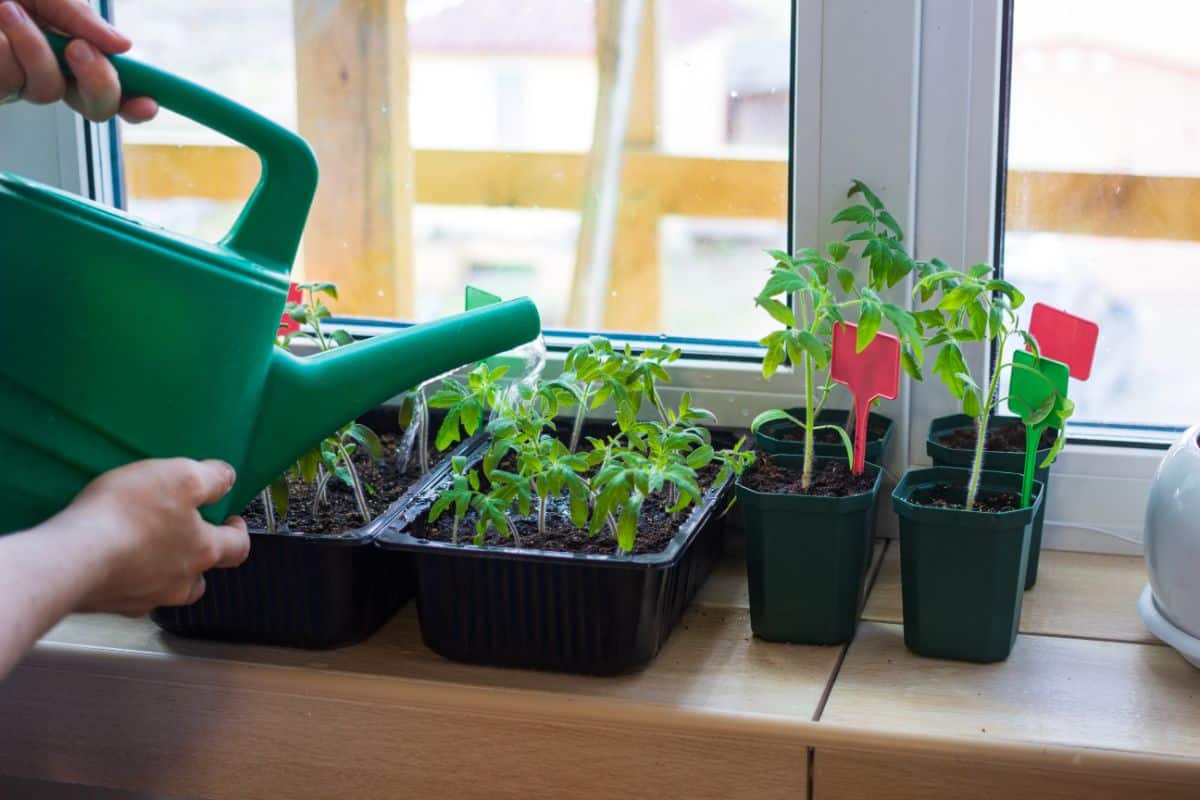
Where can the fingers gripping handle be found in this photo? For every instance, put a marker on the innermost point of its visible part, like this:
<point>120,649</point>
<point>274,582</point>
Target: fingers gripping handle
<point>268,229</point>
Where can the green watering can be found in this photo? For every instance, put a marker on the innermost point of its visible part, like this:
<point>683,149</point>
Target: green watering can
<point>125,341</point>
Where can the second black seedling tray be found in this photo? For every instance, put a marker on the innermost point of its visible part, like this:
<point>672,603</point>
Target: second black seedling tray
<point>569,612</point>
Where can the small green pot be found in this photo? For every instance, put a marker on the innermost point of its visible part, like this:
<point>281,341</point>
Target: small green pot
<point>944,456</point>
<point>767,438</point>
<point>805,560</point>
<point>962,572</point>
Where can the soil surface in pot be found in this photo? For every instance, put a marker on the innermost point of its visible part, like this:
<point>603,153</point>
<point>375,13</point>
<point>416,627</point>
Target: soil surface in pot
<point>829,478</point>
<point>341,512</point>
<point>875,431</point>
<point>1008,438</point>
<point>656,528</point>
<point>944,495</point>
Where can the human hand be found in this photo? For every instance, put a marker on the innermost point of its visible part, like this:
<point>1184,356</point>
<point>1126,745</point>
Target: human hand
<point>141,522</point>
<point>29,70</point>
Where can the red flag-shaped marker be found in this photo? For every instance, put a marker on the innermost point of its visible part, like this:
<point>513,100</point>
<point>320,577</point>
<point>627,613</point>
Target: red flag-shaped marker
<point>875,372</point>
<point>1065,337</point>
<point>287,324</point>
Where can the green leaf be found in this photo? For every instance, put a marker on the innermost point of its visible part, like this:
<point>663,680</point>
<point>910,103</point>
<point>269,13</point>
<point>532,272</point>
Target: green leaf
<point>837,251</point>
<point>929,317</point>
<point>341,338</point>
<point>448,396</point>
<point>279,495</point>
<point>904,322</point>
<point>910,360</point>
<point>841,432</point>
<point>448,432</point>
<point>816,349</point>
<point>700,457</point>
<point>1004,287</point>
<point>890,223</point>
<point>1055,449</point>
<point>1039,415</point>
<point>845,279</point>
<point>440,505</point>
<point>978,271</point>
<point>860,214</point>
<point>627,522</point>
<point>868,325</point>
<point>471,416</point>
<point>778,310</point>
<point>901,265</point>
<point>307,465</point>
<point>977,317</point>
<point>367,438</point>
<point>858,187</point>
<point>325,287</point>
<point>1031,343</point>
<point>771,416</point>
<point>783,280</point>
<point>960,296</point>
<point>776,355</point>
<point>970,402</point>
<point>948,365</point>
<point>995,320</point>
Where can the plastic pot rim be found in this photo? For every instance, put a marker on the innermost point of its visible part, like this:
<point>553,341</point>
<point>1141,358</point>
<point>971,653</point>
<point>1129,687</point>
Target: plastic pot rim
<point>847,504</point>
<point>953,422</point>
<point>993,480</point>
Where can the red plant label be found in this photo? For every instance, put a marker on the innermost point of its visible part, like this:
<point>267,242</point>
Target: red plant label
<point>875,372</point>
<point>287,324</point>
<point>1065,337</point>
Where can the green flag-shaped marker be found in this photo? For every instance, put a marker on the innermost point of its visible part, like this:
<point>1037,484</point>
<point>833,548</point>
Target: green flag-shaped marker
<point>477,298</point>
<point>1037,391</point>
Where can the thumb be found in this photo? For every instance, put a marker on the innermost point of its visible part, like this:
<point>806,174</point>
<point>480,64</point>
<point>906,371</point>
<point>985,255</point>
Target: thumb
<point>206,482</point>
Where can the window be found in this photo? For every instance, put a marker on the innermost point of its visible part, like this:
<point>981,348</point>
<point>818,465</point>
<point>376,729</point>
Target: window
<point>497,143</point>
<point>1103,176</point>
<point>457,146</point>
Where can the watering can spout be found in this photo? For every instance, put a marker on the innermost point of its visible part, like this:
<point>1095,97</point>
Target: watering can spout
<point>306,398</point>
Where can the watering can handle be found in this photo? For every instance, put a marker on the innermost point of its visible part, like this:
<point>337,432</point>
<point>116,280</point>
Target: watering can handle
<point>269,227</point>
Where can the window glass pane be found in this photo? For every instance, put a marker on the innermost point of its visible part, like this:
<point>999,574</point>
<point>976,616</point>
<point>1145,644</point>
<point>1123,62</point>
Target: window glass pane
<point>1104,175</point>
<point>456,146</point>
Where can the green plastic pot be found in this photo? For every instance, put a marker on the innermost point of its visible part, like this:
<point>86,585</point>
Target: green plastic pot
<point>962,572</point>
<point>806,558</point>
<point>944,456</point>
<point>767,438</point>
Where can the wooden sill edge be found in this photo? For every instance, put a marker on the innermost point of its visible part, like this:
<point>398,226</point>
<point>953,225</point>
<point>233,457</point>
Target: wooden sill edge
<point>398,693</point>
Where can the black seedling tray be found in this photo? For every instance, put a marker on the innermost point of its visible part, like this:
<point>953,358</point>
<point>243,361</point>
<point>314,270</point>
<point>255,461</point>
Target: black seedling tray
<point>569,612</point>
<point>309,590</point>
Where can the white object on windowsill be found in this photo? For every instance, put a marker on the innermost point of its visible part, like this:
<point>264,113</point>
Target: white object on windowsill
<point>1173,535</point>
<point>1187,645</point>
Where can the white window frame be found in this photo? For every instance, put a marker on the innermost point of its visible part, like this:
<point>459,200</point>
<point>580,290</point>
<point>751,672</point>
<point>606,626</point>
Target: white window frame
<point>903,94</point>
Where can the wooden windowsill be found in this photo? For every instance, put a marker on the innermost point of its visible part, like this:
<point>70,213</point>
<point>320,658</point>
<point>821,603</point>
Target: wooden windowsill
<point>1088,703</point>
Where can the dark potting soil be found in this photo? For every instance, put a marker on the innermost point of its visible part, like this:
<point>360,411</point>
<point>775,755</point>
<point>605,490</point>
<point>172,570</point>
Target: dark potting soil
<point>656,528</point>
<point>829,478</point>
<point>1009,438</point>
<point>341,512</point>
<point>790,433</point>
<point>946,496</point>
